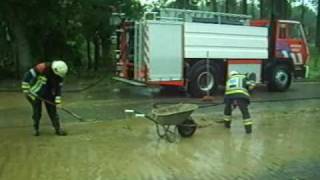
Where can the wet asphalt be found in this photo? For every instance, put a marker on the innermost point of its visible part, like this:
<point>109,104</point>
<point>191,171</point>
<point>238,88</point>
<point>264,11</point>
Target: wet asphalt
<point>112,145</point>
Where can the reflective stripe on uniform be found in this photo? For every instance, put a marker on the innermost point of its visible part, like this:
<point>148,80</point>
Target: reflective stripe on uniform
<point>237,91</point>
<point>43,79</point>
<point>33,72</point>
<point>37,86</point>
<point>25,85</point>
<point>32,97</point>
<point>247,122</point>
<point>235,85</point>
<point>239,76</point>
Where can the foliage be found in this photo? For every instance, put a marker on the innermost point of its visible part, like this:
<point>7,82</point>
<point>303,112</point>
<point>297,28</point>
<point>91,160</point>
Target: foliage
<point>75,30</point>
<point>58,28</point>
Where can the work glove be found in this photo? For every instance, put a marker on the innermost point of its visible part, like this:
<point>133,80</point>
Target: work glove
<point>57,101</point>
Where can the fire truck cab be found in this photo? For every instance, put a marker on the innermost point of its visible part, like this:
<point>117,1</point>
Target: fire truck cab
<point>196,50</point>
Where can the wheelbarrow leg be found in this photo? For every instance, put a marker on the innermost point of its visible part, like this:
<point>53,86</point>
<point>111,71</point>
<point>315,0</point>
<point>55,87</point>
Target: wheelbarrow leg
<point>171,136</point>
<point>167,134</point>
<point>164,128</point>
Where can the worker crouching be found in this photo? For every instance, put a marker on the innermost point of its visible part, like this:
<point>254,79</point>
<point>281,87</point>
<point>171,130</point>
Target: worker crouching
<point>44,82</point>
<point>237,95</point>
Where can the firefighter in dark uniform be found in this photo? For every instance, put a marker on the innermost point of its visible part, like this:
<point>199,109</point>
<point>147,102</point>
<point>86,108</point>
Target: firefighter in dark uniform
<point>237,95</point>
<point>45,81</point>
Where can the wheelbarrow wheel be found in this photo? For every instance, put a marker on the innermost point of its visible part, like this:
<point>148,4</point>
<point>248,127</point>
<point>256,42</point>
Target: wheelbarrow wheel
<point>187,128</point>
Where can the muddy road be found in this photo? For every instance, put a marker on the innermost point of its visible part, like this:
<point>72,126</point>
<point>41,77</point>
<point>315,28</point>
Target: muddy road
<point>284,145</point>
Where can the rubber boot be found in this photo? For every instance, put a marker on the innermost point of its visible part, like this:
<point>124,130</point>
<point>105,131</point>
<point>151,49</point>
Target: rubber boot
<point>248,129</point>
<point>227,122</point>
<point>36,132</point>
<point>58,130</point>
<point>247,125</point>
<point>61,132</point>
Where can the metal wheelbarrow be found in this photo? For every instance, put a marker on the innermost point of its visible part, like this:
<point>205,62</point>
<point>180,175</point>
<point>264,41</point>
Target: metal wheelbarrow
<point>177,116</point>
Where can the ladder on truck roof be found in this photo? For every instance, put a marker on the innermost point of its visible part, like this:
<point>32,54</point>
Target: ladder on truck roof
<point>203,16</point>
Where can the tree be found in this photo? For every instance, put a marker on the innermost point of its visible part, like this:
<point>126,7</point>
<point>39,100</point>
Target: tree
<point>53,29</point>
<point>227,6</point>
<point>38,29</point>
<point>253,8</point>
<point>303,10</point>
<point>230,6</point>
<point>280,9</point>
<point>184,4</point>
<point>214,6</point>
<point>318,26</point>
<point>10,12</point>
<point>244,7</point>
<point>262,11</point>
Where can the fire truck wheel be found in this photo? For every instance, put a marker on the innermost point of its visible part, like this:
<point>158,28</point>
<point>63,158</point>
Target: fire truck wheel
<point>280,79</point>
<point>202,79</point>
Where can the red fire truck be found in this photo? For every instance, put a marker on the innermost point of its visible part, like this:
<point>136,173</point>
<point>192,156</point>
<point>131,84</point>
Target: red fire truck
<point>196,50</point>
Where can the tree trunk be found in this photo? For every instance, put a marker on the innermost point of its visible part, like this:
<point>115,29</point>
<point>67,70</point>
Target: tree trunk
<point>253,14</point>
<point>89,54</point>
<point>303,10</point>
<point>182,4</point>
<point>244,7</point>
<point>318,27</point>
<point>262,14</point>
<point>96,52</point>
<point>281,9</point>
<point>214,6</point>
<point>107,60</point>
<point>21,43</point>
<point>227,4</point>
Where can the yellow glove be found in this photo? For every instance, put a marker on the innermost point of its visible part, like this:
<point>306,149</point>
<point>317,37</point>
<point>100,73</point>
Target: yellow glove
<point>57,101</point>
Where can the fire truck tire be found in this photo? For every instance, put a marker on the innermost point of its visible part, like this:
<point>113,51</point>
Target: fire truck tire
<point>280,79</point>
<point>202,80</point>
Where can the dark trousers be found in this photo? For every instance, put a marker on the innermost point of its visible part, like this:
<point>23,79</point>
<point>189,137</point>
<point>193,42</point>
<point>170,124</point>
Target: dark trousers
<point>230,103</point>
<point>51,110</point>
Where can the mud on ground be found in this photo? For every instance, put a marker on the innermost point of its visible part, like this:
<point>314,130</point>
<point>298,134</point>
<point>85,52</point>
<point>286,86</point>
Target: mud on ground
<point>284,145</point>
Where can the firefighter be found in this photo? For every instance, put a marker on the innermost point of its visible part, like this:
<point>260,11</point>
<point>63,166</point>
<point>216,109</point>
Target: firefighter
<point>45,81</point>
<point>237,95</point>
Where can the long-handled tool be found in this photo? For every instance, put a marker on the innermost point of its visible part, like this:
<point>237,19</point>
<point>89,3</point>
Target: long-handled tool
<point>62,108</point>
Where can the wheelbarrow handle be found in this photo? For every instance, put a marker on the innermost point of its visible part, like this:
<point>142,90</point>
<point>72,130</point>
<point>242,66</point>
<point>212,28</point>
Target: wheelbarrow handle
<point>129,111</point>
<point>136,113</point>
<point>140,115</point>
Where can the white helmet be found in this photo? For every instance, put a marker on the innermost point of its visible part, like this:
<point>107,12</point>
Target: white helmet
<point>59,67</point>
<point>233,73</point>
